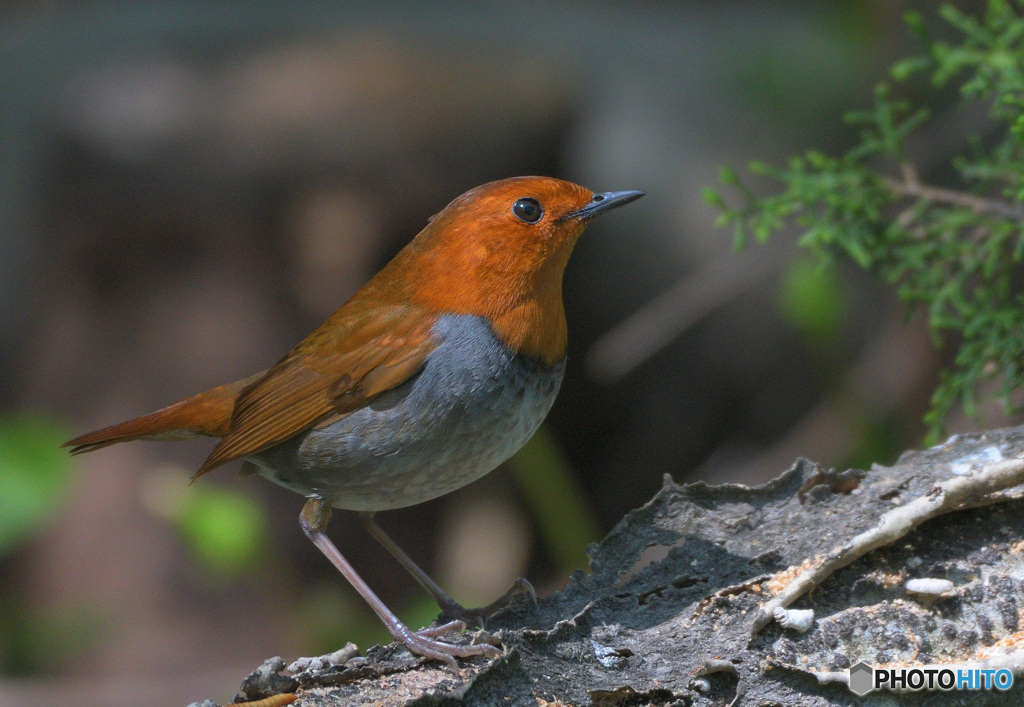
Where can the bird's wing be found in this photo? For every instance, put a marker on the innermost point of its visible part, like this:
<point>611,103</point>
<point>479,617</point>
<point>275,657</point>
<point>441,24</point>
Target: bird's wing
<point>363,350</point>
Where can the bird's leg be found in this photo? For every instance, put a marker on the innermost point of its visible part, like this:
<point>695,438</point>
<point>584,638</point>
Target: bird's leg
<point>449,607</point>
<point>314,517</point>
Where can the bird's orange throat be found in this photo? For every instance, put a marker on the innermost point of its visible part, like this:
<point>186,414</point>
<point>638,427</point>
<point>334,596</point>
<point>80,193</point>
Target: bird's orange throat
<point>534,323</point>
<point>534,330</point>
<point>520,293</point>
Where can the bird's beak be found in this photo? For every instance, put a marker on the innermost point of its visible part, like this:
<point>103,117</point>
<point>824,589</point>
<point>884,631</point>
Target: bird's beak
<point>602,202</point>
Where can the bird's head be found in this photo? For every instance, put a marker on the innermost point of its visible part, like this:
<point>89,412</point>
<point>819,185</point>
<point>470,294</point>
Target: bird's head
<point>519,228</point>
<point>499,251</point>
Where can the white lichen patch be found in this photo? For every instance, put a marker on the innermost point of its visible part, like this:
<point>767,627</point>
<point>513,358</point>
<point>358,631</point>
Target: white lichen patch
<point>609,656</point>
<point>977,459</point>
<point>701,685</point>
<point>799,620</point>
<point>930,587</point>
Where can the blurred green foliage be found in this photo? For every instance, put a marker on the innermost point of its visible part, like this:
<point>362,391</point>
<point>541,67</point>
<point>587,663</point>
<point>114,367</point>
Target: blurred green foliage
<point>567,524</point>
<point>38,639</point>
<point>34,475</point>
<point>954,251</point>
<point>225,529</point>
<point>34,480</point>
<point>330,614</point>
<point>812,297</point>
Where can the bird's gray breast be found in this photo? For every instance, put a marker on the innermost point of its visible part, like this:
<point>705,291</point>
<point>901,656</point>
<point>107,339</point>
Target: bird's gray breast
<point>471,407</point>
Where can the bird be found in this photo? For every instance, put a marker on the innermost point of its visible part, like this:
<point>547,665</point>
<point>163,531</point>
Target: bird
<point>430,376</point>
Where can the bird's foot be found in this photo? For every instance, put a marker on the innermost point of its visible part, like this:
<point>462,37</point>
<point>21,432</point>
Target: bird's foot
<point>435,631</point>
<point>424,642</point>
<point>476,617</point>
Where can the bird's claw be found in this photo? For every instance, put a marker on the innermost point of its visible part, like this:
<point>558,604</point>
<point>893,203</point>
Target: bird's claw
<point>424,642</point>
<point>523,586</point>
<point>484,637</point>
<point>477,617</point>
<point>435,631</point>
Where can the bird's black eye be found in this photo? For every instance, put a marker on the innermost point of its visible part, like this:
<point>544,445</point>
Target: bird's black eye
<point>528,210</point>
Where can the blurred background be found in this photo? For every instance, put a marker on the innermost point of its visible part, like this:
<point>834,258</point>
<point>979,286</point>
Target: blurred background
<point>187,189</point>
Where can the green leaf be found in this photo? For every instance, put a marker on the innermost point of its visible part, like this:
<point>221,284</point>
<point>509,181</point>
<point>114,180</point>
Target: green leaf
<point>728,176</point>
<point>711,197</point>
<point>903,70</point>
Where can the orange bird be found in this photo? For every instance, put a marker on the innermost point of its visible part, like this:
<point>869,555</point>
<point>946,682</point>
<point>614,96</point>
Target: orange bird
<point>434,373</point>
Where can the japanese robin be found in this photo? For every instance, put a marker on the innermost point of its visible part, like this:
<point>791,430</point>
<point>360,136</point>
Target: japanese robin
<point>440,368</point>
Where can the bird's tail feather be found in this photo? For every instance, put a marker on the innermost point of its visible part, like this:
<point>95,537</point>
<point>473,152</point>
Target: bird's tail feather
<point>205,415</point>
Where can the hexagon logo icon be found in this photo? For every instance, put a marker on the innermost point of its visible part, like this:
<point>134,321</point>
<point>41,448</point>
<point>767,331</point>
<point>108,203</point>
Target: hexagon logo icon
<point>862,678</point>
